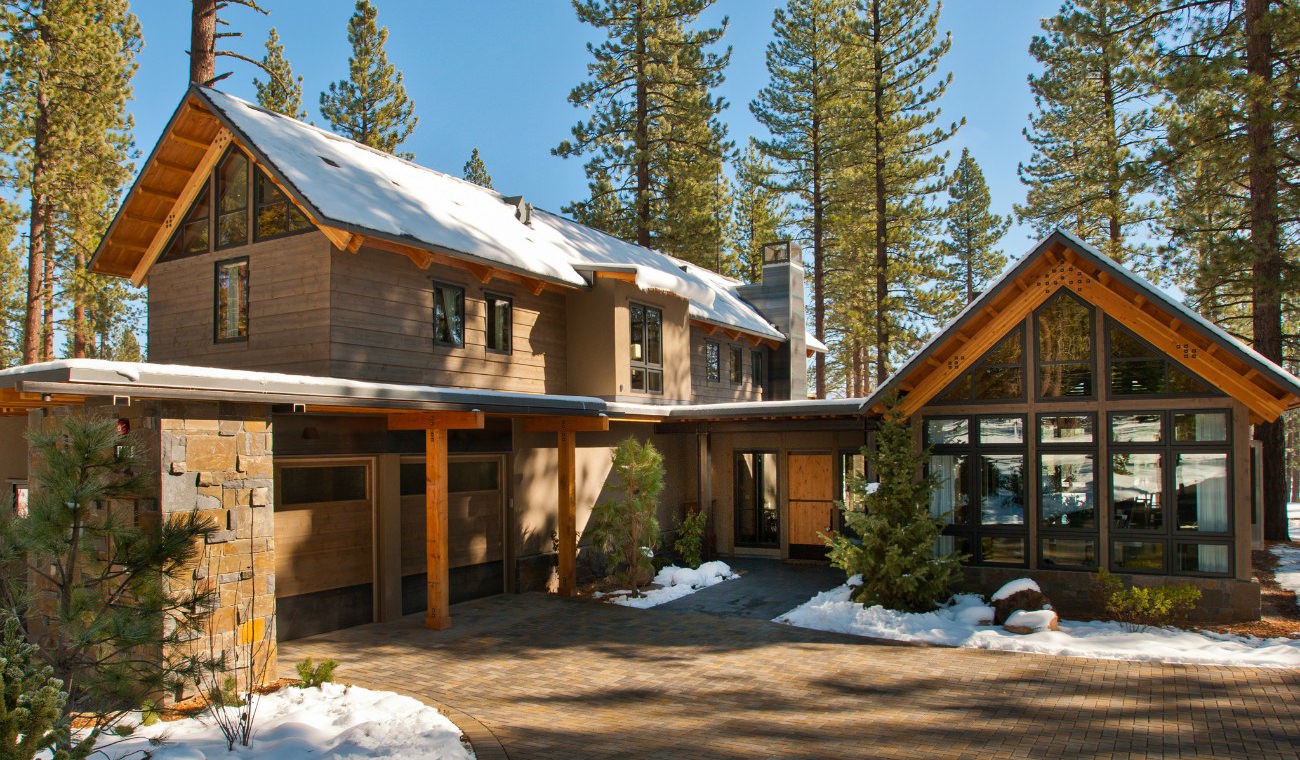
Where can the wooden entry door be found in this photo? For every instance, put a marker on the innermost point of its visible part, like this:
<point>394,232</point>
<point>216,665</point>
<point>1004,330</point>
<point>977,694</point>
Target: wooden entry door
<point>812,503</point>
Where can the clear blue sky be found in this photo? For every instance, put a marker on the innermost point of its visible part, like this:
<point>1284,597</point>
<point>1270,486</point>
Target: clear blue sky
<point>495,74</point>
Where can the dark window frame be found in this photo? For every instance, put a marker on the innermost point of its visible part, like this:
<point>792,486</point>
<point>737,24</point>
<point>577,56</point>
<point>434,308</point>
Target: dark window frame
<point>1048,532</point>
<point>775,542</point>
<point>736,369</point>
<point>1110,323</point>
<point>489,299</point>
<point>438,342</point>
<point>712,362</point>
<point>1093,351</point>
<point>216,300</point>
<point>972,397</point>
<point>650,369</point>
<point>291,208</point>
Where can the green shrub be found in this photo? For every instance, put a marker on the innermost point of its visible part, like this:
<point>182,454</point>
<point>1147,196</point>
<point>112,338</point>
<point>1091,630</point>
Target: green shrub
<point>314,675</point>
<point>31,702</point>
<point>626,529</point>
<point>1137,607</point>
<point>226,695</point>
<point>690,539</point>
<point>149,713</point>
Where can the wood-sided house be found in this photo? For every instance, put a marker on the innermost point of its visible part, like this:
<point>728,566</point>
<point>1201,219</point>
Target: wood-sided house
<point>394,389</point>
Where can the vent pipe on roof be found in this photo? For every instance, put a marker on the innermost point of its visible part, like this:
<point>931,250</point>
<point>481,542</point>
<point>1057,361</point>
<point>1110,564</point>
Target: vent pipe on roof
<point>523,209</point>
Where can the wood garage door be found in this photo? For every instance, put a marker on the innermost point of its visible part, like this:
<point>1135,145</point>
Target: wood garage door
<point>812,503</point>
<point>324,546</point>
<point>475,521</point>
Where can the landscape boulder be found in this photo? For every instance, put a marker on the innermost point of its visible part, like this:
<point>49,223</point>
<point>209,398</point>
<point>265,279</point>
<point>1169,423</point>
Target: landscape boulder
<point>1021,594</point>
<point>1031,622</point>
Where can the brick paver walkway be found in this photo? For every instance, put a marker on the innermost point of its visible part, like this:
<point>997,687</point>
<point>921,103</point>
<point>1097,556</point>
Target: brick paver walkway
<point>554,678</point>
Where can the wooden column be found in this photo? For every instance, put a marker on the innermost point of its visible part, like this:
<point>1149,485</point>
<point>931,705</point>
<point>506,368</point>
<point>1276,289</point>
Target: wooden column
<point>436,425</point>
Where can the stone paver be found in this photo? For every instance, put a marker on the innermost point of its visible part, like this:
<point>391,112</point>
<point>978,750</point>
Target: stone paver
<point>555,678</point>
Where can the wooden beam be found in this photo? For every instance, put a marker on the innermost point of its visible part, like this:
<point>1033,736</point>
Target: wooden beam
<point>624,276</point>
<point>538,287</point>
<point>567,518</point>
<point>472,420</point>
<point>193,142</point>
<point>732,334</point>
<point>198,179</point>
<point>354,243</point>
<point>154,192</point>
<point>172,165</point>
<point>565,424</point>
<point>337,237</point>
<point>437,565</point>
<point>481,272</point>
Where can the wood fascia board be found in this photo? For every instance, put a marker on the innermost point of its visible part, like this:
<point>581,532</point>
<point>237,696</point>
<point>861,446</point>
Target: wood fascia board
<point>565,424</point>
<point>198,178</point>
<point>472,420</point>
<point>614,275</point>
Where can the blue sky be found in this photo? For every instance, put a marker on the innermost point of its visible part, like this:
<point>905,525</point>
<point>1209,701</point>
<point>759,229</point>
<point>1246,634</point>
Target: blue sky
<point>495,74</point>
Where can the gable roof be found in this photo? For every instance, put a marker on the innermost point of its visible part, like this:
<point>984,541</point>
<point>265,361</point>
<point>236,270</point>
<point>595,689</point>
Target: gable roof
<point>1063,261</point>
<point>350,189</point>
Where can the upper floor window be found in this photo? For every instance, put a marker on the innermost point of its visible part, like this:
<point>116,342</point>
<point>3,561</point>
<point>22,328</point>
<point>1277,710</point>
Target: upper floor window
<point>230,306</point>
<point>1065,357</point>
<point>500,316</point>
<point>712,362</point>
<point>448,315</point>
<point>756,367</point>
<point>998,375</point>
<point>737,366</point>
<point>647,348</point>
<point>222,215</point>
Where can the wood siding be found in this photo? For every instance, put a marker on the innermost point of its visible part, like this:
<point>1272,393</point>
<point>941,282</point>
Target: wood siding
<point>288,322</point>
<point>705,391</point>
<point>381,328</point>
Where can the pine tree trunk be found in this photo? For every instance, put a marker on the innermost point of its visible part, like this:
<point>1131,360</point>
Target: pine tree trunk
<point>881,203</point>
<point>819,254</point>
<point>1266,297</point>
<point>80,326</point>
<point>39,219</point>
<point>1114,188</point>
<point>203,38</point>
<point>47,329</point>
<point>642,132</point>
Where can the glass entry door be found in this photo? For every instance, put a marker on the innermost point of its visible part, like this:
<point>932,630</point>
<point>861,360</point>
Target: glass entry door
<point>758,509</point>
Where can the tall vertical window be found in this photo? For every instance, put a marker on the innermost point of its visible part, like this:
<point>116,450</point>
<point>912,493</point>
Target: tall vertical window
<point>979,467</point>
<point>1170,492</point>
<point>230,307</point>
<point>737,365</point>
<point>500,316</point>
<point>232,200</point>
<point>756,367</point>
<point>1067,491</point>
<point>448,315</point>
<point>758,511</point>
<point>712,362</point>
<point>647,348</point>
<point>1065,357</point>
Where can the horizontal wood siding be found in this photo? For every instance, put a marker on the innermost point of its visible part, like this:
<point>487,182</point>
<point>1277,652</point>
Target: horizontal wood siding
<point>288,323</point>
<point>704,391</point>
<point>382,328</point>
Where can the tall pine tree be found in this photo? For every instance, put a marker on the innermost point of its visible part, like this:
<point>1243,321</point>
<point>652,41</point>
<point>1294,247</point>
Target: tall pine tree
<point>281,92</point>
<point>799,108</point>
<point>476,171</point>
<point>972,233</point>
<point>370,106</point>
<point>655,142</point>
<point>758,215</point>
<point>1094,127</point>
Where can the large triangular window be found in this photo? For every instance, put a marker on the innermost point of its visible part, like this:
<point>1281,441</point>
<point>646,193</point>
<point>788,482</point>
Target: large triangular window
<point>1063,327</point>
<point>1139,369</point>
<point>997,376</point>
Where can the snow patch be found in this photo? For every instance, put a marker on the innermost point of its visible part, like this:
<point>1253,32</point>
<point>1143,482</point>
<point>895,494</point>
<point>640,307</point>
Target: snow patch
<point>676,582</point>
<point>1015,587</point>
<point>1287,573</point>
<point>1038,620</point>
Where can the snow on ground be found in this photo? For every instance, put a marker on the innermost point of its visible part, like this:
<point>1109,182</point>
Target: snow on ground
<point>1287,572</point>
<point>1293,516</point>
<point>1015,587</point>
<point>676,582</point>
<point>957,625</point>
<point>334,721</point>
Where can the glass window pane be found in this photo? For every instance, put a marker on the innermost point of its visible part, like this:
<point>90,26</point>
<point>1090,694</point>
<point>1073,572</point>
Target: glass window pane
<point>737,365</point>
<point>449,315</point>
<point>1068,552</point>
<point>1137,488</point>
<point>994,430</point>
<point>940,432</point>
<point>1135,428</point>
<point>757,507</point>
<point>1123,345</point>
<point>193,234</point>
<point>999,382</point>
<point>231,309</point>
<point>1202,558</point>
<point>312,485</point>
<point>1003,499</point>
<point>232,201</point>
<point>638,379</point>
<point>1200,426</point>
<point>654,336</point>
<point>1007,351</point>
<point>1064,331</point>
<point>960,390</point>
<point>756,367</point>
<point>951,494</point>
<point>1132,378</point>
<point>472,476</point>
<point>1006,550</point>
<point>1065,380</point>
<point>1141,556</point>
<point>499,319</point>
<point>654,380</point>
<point>1067,498</point>
<point>1182,381</point>
<point>637,312</point>
<point>712,363</point>
<point>1201,491</point>
<point>1065,428</point>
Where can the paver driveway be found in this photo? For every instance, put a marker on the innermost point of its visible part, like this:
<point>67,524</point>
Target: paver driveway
<point>556,678</point>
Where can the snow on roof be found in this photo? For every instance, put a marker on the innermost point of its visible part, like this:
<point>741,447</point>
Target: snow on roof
<point>359,188</point>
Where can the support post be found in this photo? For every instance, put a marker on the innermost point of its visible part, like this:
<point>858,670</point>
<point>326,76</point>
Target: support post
<point>438,616</point>
<point>567,522</point>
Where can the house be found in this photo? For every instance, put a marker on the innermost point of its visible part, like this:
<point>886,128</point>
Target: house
<point>393,389</point>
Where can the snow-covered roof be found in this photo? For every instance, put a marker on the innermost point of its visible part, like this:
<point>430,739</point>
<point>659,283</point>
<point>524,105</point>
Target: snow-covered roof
<point>360,189</point>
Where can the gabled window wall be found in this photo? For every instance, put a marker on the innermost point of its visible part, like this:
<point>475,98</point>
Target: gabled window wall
<point>1073,444</point>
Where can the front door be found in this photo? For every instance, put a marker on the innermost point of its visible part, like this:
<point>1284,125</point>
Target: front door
<point>812,503</point>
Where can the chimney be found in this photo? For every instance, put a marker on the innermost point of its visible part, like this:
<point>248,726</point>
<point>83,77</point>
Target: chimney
<point>779,297</point>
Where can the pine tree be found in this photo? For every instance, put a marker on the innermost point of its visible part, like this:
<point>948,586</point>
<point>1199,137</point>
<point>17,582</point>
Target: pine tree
<point>969,248</point>
<point>799,107</point>
<point>655,140</point>
<point>891,167</point>
<point>281,92</point>
<point>627,528</point>
<point>476,171</point>
<point>1094,127</point>
<point>758,214</point>
<point>370,106</point>
<point>894,552</point>
<point>12,281</point>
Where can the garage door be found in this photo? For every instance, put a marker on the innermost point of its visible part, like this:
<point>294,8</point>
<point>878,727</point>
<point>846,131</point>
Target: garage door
<point>324,539</point>
<point>475,518</point>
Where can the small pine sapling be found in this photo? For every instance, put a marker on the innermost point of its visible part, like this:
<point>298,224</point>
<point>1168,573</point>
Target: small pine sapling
<point>32,721</point>
<point>894,548</point>
<point>627,528</point>
<point>690,539</point>
<point>311,675</point>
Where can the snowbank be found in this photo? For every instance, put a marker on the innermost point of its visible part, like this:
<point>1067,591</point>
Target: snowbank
<point>1015,587</point>
<point>956,625</point>
<point>296,724</point>
<point>1287,573</point>
<point>676,582</point>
